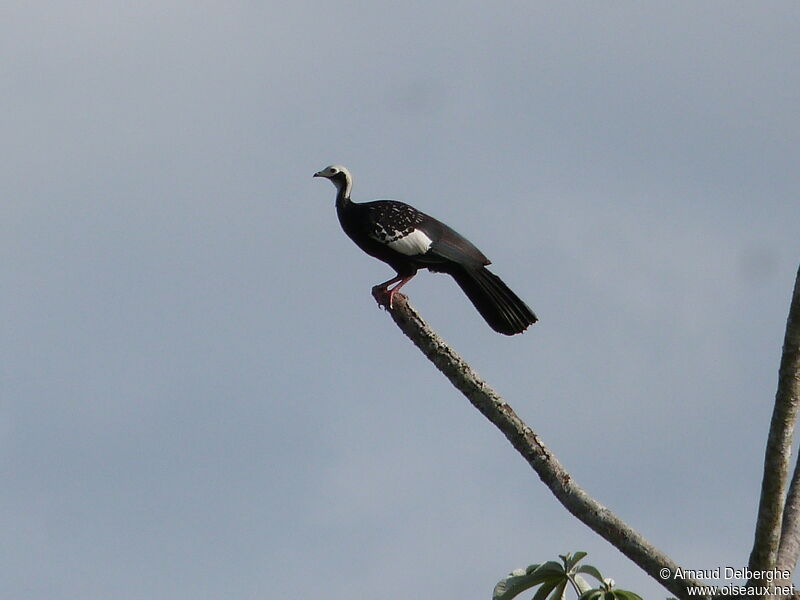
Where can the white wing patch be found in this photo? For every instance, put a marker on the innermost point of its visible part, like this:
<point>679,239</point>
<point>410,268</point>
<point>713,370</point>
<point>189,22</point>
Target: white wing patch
<point>414,243</point>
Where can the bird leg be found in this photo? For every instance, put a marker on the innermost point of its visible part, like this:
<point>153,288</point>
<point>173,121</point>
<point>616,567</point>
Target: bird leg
<point>383,295</point>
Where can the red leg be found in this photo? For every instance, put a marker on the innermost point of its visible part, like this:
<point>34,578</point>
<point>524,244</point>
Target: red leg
<point>384,295</point>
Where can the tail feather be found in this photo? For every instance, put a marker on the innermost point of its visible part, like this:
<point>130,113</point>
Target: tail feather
<point>503,310</point>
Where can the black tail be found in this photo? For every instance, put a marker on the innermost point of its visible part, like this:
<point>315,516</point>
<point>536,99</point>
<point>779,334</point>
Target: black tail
<point>503,310</point>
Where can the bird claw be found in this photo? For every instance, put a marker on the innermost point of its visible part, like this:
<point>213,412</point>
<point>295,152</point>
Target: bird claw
<point>382,296</point>
<point>385,296</point>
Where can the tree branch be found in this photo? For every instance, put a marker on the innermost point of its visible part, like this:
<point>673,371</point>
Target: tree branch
<point>789,548</point>
<point>539,457</point>
<point>768,537</point>
<point>788,394</point>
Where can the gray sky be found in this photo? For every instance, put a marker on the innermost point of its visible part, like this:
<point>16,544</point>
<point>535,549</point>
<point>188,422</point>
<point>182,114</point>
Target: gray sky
<point>198,396</point>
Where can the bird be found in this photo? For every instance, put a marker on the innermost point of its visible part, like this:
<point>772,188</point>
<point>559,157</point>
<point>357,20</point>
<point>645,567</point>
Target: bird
<point>409,240</point>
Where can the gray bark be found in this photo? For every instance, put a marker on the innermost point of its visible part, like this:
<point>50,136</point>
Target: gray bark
<point>788,394</point>
<point>539,457</point>
<point>771,535</point>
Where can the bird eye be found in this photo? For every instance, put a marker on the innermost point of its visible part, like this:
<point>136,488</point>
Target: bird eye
<point>334,171</point>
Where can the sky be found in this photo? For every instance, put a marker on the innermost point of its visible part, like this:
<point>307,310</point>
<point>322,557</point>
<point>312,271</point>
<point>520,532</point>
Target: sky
<point>199,398</point>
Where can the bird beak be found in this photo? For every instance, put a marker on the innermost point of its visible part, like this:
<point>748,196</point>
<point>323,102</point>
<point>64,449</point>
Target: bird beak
<point>318,174</point>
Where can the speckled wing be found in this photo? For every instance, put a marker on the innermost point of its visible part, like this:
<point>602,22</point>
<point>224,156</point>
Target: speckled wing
<point>413,233</point>
<point>397,225</point>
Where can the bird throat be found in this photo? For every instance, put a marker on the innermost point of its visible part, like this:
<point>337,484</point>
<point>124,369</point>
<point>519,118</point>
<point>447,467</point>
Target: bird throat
<point>344,186</point>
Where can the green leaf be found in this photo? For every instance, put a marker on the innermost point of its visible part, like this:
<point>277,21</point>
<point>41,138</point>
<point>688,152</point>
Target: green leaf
<point>545,590</point>
<point>582,584</point>
<point>531,568</point>
<point>573,559</point>
<point>517,581</point>
<point>613,594</point>
<point>551,567</point>
<point>602,593</point>
<point>590,570</point>
<point>551,572</point>
<point>560,593</point>
<point>554,578</point>
<point>626,595</point>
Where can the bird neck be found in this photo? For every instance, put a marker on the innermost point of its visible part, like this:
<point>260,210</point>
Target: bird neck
<point>342,199</point>
<point>343,193</point>
<point>344,185</point>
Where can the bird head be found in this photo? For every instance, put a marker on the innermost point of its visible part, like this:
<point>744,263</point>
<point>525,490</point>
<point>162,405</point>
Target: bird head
<point>338,176</point>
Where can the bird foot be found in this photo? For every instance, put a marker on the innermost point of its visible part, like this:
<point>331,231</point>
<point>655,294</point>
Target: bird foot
<point>383,296</point>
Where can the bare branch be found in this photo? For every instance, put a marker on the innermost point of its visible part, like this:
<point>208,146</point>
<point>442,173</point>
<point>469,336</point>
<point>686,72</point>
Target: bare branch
<point>789,549</point>
<point>533,450</point>
<point>788,394</point>
<point>779,448</point>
